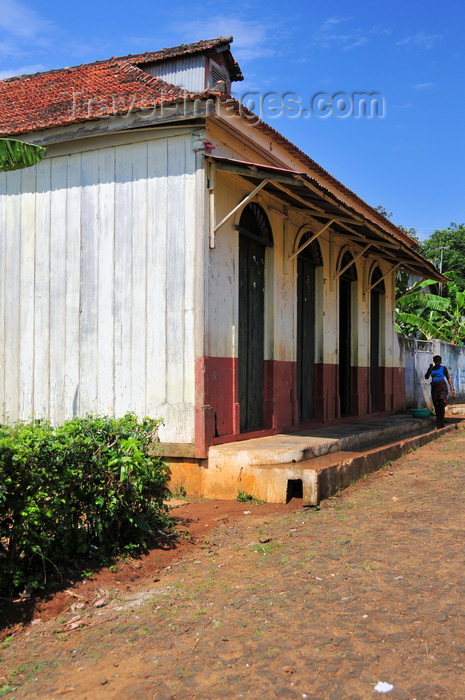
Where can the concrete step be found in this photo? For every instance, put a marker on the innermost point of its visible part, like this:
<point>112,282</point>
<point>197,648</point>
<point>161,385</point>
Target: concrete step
<point>287,448</point>
<point>311,479</point>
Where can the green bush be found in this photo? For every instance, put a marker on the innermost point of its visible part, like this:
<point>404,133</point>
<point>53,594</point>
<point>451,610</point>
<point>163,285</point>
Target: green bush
<point>92,487</point>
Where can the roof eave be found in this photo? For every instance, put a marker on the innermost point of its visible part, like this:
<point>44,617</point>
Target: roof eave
<point>395,250</point>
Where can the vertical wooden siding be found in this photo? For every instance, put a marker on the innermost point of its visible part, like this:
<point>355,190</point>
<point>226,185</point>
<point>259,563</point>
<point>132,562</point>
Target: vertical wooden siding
<point>97,279</point>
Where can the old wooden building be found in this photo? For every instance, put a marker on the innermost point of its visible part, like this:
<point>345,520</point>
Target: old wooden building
<point>176,257</point>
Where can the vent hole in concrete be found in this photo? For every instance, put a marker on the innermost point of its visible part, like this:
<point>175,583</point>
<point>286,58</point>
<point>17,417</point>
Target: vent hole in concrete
<point>294,489</point>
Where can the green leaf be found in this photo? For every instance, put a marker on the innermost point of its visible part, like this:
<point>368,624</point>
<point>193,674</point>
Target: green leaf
<point>17,154</point>
<point>422,299</point>
<point>429,330</point>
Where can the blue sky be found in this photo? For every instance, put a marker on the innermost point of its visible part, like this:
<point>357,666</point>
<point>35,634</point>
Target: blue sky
<point>411,161</point>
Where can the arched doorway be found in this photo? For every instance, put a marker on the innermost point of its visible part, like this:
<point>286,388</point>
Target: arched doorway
<point>307,262</point>
<point>375,337</point>
<point>254,236</point>
<point>346,280</point>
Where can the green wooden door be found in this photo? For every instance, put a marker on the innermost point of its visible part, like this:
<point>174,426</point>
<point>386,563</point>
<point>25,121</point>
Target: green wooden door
<point>254,236</point>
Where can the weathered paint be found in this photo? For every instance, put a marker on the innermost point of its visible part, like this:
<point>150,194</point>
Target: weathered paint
<point>188,474</point>
<point>97,294</point>
<point>418,357</point>
<point>219,377</point>
<point>280,409</point>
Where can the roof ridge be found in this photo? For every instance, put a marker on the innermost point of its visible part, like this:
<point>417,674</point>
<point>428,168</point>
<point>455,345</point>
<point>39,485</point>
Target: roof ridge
<point>195,47</point>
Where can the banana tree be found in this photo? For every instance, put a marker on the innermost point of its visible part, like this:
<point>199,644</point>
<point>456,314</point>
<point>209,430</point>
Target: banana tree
<point>18,154</point>
<point>455,320</point>
<point>420,312</point>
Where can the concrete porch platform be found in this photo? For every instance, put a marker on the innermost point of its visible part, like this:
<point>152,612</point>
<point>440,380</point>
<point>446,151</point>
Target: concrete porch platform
<point>313,464</point>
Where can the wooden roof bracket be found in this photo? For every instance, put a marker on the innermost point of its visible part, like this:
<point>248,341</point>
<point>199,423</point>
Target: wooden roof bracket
<point>375,284</point>
<point>363,220</point>
<point>311,239</point>
<point>211,189</point>
<point>355,233</point>
<point>390,241</point>
<point>290,193</point>
<point>346,267</point>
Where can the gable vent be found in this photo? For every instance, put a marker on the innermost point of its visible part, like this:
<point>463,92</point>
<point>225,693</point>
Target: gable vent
<point>217,74</point>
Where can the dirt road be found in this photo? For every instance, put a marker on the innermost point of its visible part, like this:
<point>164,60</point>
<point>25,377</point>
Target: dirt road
<point>292,604</point>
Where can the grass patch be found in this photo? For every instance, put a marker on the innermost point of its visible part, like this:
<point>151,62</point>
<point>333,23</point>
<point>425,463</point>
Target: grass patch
<point>244,497</point>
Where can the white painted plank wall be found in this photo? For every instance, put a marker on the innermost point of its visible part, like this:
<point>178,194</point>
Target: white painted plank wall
<point>73,285</point>
<point>41,347</point>
<point>88,360</point>
<point>139,277</point>
<point>157,223</point>
<point>12,293</point>
<point>122,331</point>
<point>105,283</point>
<point>97,285</point>
<point>58,207</point>
<point>26,291</point>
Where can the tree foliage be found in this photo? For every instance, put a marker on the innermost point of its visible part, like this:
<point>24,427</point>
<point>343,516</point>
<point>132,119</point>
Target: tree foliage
<point>424,314</point>
<point>446,249</point>
<point>433,310</point>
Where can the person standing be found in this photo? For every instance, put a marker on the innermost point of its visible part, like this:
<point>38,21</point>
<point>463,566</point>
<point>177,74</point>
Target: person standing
<point>439,389</point>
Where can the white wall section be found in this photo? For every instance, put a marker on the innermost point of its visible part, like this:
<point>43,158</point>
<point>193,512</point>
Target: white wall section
<point>97,285</point>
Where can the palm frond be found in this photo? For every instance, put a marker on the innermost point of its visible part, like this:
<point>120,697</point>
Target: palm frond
<point>425,300</point>
<point>429,330</point>
<point>17,154</point>
<point>415,288</point>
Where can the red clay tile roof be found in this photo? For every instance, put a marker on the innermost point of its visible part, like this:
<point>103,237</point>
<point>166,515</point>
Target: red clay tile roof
<point>92,91</point>
<point>58,98</point>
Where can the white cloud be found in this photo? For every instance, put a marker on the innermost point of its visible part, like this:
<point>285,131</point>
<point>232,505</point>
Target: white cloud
<point>420,40</point>
<point>331,22</point>
<point>358,42</point>
<point>379,30</point>
<point>20,21</point>
<point>328,35</point>
<point>423,86</point>
<point>251,39</point>
<point>24,36</point>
